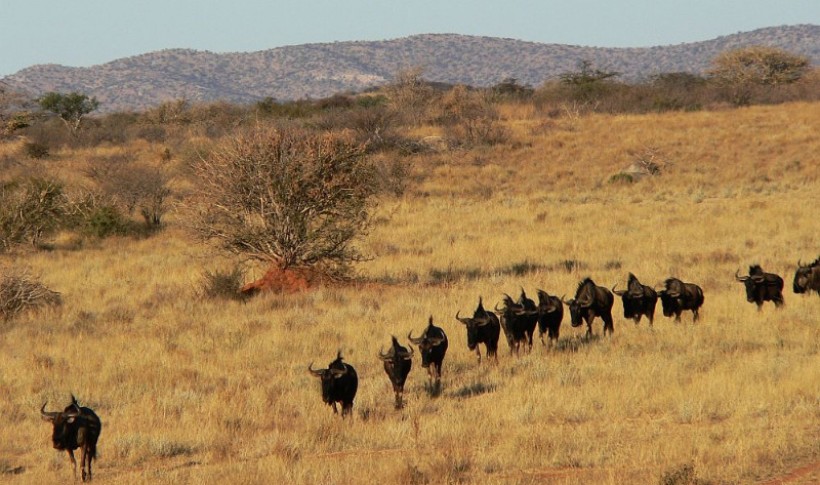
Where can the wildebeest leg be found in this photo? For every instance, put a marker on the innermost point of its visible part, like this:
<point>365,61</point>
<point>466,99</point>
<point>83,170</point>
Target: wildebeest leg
<point>695,315</point>
<point>778,302</point>
<point>651,320</point>
<point>478,353</point>
<point>677,317</point>
<point>84,456</point>
<point>609,326</point>
<point>637,319</point>
<point>335,411</point>
<point>73,462</point>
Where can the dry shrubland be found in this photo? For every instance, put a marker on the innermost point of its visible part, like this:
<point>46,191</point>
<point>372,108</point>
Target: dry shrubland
<point>199,390</point>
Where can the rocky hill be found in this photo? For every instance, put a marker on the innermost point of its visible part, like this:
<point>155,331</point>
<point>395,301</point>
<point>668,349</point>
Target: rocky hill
<point>320,70</point>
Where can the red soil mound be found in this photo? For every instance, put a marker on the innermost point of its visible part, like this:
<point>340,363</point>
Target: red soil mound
<point>281,281</point>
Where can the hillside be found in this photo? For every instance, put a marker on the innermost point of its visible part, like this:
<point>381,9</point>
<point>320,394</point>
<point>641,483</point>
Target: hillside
<point>320,70</point>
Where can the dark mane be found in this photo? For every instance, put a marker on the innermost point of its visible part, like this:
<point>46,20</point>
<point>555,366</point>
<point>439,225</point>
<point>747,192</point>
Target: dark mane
<point>583,283</point>
<point>755,269</point>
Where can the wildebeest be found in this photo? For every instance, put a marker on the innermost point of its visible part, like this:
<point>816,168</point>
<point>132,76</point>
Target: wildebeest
<point>807,278</point>
<point>590,301</point>
<point>482,328</point>
<point>638,300</point>
<point>397,364</point>
<point>339,384</point>
<point>75,427</point>
<point>762,286</point>
<point>678,296</point>
<point>550,314</point>
<point>433,347</point>
<point>518,320</point>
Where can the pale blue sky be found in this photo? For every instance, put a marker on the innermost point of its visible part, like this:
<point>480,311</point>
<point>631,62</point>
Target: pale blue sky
<point>89,32</point>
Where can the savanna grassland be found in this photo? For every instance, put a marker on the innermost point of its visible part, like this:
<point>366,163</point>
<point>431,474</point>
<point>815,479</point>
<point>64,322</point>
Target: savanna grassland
<point>192,390</point>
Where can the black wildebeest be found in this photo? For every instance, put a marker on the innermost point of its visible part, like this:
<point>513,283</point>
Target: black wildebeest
<point>339,384</point>
<point>550,314</point>
<point>638,300</point>
<point>678,296</point>
<point>75,427</point>
<point>807,278</point>
<point>518,320</point>
<point>590,301</point>
<point>482,328</point>
<point>433,347</point>
<point>397,364</point>
<point>762,286</point>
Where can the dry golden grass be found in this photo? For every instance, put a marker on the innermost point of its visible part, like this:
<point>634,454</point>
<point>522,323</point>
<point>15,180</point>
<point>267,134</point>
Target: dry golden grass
<point>193,391</point>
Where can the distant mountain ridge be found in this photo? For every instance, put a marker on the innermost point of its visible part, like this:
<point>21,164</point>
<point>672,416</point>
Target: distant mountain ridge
<point>321,70</point>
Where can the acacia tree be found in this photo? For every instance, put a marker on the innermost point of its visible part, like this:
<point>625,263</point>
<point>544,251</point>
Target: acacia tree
<point>287,197</point>
<point>71,107</point>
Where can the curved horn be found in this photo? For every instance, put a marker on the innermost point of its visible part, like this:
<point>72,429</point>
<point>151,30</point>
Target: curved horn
<point>499,310</point>
<point>618,292</point>
<point>740,278</point>
<point>383,356</point>
<point>437,341</point>
<point>412,340</point>
<point>317,373</point>
<point>47,416</point>
<point>462,320</point>
<point>409,354</point>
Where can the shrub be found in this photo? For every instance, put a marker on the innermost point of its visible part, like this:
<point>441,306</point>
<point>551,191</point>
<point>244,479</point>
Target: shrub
<point>223,284</point>
<point>35,150</point>
<point>20,291</point>
<point>131,185</point>
<point>470,118</point>
<point>30,210</point>
<point>105,221</point>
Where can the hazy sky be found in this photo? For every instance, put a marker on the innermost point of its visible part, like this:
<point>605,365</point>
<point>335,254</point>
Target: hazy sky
<point>88,32</point>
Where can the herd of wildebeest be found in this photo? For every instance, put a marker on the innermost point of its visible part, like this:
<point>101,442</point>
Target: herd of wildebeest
<point>79,427</point>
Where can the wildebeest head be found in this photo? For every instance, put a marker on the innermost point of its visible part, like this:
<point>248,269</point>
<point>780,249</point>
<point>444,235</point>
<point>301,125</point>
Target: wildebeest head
<point>397,364</point>
<point>480,319</point>
<point>584,298</point>
<point>634,287</point>
<point>432,338</point>
<point>751,282</point>
<point>335,370</point>
<point>807,277</point>
<point>64,434</point>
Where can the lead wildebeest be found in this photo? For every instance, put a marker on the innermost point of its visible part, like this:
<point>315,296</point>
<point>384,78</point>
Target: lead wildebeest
<point>75,427</point>
<point>397,364</point>
<point>550,314</point>
<point>638,300</point>
<point>807,277</point>
<point>482,328</point>
<point>678,296</point>
<point>433,347</point>
<point>762,286</point>
<point>518,320</point>
<point>339,384</point>
<point>590,301</point>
